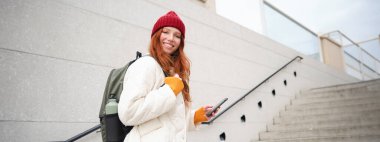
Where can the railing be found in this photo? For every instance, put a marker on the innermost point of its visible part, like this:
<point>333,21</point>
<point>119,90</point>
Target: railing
<point>80,135</point>
<point>209,122</point>
<point>357,60</point>
<point>278,25</point>
<point>363,58</point>
<point>250,91</point>
<point>290,18</point>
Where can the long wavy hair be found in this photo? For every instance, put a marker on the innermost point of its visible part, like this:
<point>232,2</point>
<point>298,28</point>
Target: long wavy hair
<point>172,64</point>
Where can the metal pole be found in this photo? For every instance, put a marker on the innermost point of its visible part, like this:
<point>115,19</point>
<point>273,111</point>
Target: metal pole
<point>76,137</point>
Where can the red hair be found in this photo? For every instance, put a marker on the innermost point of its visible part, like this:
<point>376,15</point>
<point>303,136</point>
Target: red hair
<point>178,60</point>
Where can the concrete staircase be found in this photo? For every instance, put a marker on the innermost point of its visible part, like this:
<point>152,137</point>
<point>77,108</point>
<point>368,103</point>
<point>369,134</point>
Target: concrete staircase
<point>342,113</point>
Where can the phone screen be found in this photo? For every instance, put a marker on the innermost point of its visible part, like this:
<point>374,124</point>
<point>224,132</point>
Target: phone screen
<point>214,108</point>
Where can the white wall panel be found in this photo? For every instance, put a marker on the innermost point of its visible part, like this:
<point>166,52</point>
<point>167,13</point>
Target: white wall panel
<point>55,56</point>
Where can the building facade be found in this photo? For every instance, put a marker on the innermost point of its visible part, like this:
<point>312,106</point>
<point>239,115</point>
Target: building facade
<point>55,57</point>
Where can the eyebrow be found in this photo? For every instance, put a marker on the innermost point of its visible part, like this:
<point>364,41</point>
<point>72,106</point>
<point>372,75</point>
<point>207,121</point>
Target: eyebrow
<point>176,32</point>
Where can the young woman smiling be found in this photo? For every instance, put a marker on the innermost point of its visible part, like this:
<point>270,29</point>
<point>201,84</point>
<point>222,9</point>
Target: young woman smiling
<point>156,98</point>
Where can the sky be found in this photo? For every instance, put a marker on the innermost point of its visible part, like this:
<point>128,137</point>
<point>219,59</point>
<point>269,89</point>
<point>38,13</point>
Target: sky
<point>358,19</point>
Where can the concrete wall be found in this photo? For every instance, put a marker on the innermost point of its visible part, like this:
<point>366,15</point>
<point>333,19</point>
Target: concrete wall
<point>55,56</point>
<point>208,4</point>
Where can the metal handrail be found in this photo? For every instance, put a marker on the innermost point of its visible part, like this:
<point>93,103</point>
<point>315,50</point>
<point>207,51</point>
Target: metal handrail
<point>80,135</point>
<point>362,63</point>
<point>337,31</point>
<point>250,91</point>
<point>357,60</point>
<point>352,43</point>
<point>364,41</point>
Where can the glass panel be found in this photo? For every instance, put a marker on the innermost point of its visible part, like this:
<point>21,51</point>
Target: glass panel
<point>353,51</point>
<point>353,72</point>
<point>363,57</point>
<point>283,30</point>
<point>368,72</point>
<point>369,61</point>
<point>351,61</point>
<point>372,47</point>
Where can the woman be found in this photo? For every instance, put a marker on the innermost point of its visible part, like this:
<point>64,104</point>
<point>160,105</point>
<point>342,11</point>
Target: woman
<point>156,98</point>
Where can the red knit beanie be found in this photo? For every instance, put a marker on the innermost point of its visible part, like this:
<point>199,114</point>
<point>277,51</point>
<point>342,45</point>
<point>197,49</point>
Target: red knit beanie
<point>170,19</point>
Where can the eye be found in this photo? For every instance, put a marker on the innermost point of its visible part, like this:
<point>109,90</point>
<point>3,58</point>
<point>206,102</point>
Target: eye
<point>177,35</point>
<point>165,30</point>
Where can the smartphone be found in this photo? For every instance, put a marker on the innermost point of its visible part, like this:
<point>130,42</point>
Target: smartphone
<point>214,108</point>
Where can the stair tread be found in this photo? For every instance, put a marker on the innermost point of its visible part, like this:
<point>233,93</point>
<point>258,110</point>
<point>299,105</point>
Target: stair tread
<point>330,118</point>
<point>374,138</point>
<point>333,110</point>
<point>290,107</point>
<point>377,126</point>
<point>345,86</point>
<point>339,95</point>
<point>319,133</point>
<point>311,101</point>
<point>294,103</point>
<point>339,113</point>
<point>362,89</point>
<point>311,113</point>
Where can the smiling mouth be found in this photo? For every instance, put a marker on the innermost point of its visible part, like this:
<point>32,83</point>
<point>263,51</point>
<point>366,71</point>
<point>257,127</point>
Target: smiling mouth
<point>168,45</point>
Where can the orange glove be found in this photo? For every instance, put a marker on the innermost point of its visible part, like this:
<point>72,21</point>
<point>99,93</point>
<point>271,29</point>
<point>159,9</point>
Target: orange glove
<point>200,115</point>
<point>175,84</point>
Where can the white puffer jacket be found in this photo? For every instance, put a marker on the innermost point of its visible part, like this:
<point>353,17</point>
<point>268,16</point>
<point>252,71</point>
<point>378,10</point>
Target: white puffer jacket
<point>151,106</point>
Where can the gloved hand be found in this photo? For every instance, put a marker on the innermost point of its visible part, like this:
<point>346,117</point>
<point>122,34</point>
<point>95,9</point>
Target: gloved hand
<point>200,115</point>
<point>175,84</point>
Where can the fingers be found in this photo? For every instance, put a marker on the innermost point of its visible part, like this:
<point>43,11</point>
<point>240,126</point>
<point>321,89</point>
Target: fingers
<point>211,116</point>
<point>214,113</point>
<point>208,108</point>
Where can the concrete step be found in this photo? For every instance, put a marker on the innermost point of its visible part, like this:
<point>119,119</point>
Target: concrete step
<point>332,110</point>
<point>364,121</point>
<point>363,138</point>
<point>374,87</point>
<point>345,86</point>
<point>360,89</point>
<point>335,97</point>
<point>318,106</point>
<point>326,117</point>
<point>325,111</point>
<point>333,103</point>
<point>375,130</point>
<point>338,95</point>
<point>365,99</point>
<point>324,124</point>
<point>348,112</point>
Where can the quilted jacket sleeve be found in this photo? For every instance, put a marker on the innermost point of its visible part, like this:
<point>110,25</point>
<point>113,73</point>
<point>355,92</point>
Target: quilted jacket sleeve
<point>142,98</point>
<point>191,125</point>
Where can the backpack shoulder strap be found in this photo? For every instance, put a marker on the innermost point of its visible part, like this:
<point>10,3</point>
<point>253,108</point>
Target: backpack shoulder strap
<point>138,55</point>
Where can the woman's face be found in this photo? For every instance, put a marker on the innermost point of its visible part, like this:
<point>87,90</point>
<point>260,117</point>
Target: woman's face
<point>170,39</point>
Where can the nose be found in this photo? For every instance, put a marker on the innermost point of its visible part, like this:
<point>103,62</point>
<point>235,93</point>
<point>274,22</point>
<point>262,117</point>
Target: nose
<point>171,37</point>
